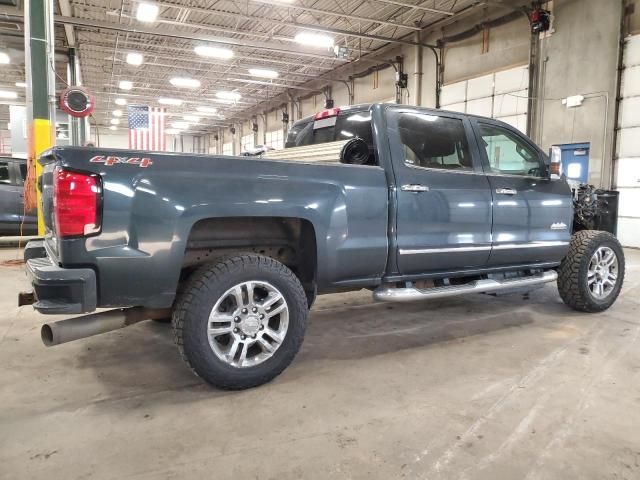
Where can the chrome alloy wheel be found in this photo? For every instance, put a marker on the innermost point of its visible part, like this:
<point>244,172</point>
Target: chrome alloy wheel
<point>248,324</point>
<point>603,272</point>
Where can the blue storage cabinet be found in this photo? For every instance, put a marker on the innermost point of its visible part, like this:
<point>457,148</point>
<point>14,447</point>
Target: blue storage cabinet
<point>574,158</point>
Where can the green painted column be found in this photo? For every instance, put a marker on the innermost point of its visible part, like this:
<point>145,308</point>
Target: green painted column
<point>40,64</point>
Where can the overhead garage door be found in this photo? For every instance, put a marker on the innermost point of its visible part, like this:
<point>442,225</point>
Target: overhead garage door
<point>501,95</point>
<point>628,151</point>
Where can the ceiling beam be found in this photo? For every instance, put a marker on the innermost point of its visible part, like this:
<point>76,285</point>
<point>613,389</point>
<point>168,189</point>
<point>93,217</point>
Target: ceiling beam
<point>65,9</point>
<point>358,18</point>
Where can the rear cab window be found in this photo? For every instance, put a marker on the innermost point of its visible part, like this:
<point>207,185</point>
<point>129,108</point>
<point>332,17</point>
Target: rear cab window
<point>348,124</point>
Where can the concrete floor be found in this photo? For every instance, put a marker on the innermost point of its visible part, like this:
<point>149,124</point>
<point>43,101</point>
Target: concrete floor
<point>475,387</point>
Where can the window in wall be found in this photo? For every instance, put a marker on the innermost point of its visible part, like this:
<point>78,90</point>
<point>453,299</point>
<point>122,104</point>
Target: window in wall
<point>275,139</point>
<point>247,142</point>
<point>508,154</point>
<point>4,173</point>
<point>431,141</point>
<point>227,149</point>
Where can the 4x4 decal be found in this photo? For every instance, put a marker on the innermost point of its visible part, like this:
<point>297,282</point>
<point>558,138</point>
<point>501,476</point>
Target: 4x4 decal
<point>112,160</point>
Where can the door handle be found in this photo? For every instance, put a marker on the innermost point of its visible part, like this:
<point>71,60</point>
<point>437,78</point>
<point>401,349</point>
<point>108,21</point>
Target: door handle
<point>414,187</point>
<point>506,191</point>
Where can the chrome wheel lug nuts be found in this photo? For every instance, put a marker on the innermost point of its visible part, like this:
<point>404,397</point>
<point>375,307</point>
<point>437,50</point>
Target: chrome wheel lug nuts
<point>261,316</point>
<point>237,319</point>
<point>253,336</point>
<point>244,310</point>
<point>235,330</point>
<point>261,327</point>
<point>243,337</point>
<point>254,309</point>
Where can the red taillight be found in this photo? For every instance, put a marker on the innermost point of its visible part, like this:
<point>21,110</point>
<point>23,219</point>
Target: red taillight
<point>75,203</point>
<point>331,112</point>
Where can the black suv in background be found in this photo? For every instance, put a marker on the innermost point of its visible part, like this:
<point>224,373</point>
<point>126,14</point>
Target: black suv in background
<point>13,171</point>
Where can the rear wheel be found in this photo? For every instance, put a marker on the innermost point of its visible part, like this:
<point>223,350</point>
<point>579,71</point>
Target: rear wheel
<point>591,275</point>
<point>240,322</point>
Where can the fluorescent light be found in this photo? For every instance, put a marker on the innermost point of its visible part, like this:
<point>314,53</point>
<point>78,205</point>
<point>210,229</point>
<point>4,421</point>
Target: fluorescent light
<point>113,127</point>
<point>135,58</point>
<point>185,82</point>
<point>213,52</point>
<point>180,125</point>
<point>115,121</point>
<point>172,131</point>
<point>231,96</point>
<point>191,118</point>
<point>21,84</point>
<point>263,73</point>
<point>311,39</point>
<point>207,109</point>
<point>170,101</point>
<point>125,85</point>
<point>147,12</point>
<point>117,113</point>
<point>121,101</point>
<point>8,94</point>
<point>4,58</point>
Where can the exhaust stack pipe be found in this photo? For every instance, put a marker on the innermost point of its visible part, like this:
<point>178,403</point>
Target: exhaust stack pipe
<point>96,323</point>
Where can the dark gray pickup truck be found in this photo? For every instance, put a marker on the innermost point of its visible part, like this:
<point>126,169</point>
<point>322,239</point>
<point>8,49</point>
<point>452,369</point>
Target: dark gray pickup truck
<point>418,204</point>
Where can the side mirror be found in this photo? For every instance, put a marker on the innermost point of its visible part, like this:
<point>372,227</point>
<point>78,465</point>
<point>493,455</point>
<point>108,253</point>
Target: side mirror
<point>555,165</point>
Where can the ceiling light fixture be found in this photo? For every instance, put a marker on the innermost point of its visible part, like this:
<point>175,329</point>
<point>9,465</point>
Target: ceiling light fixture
<point>147,12</point>
<point>21,84</point>
<point>113,127</point>
<point>170,101</point>
<point>135,58</point>
<point>213,52</point>
<point>209,110</point>
<point>8,94</point>
<point>117,113</point>
<point>263,73</point>
<point>312,39</point>
<point>185,82</point>
<point>125,85</point>
<point>115,121</point>
<point>4,58</point>
<point>120,101</point>
<point>180,125</point>
<point>229,96</point>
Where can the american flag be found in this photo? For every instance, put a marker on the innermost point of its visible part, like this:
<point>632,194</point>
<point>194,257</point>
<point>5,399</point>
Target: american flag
<point>147,128</point>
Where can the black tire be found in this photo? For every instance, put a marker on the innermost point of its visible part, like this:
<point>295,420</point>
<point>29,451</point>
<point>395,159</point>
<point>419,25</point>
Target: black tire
<point>573,272</point>
<point>202,291</point>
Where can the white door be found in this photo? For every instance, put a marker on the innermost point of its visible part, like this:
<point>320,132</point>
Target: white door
<point>628,146</point>
<point>501,95</point>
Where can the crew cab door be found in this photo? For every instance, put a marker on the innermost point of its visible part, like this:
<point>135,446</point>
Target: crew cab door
<point>443,219</point>
<point>532,214</point>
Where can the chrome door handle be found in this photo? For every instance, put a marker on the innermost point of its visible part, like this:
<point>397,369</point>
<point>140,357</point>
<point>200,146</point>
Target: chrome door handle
<point>414,187</point>
<point>506,191</point>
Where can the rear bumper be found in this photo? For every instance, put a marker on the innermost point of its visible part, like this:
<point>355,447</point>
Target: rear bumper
<point>58,290</point>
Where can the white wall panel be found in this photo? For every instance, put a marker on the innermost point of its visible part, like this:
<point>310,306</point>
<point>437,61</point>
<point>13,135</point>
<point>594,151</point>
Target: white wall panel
<point>516,121</point>
<point>512,80</point>
<point>454,93</point>
<point>630,81</point>
<point>481,106</point>
<point>630,112</point>
<point>632,51</point>
<point>480,87</point>
<point>629,201</point>
<point>629,142</point>
<point>456,107</point>
<point>629,173</point>
<point>508,104</point>
<point>629,231</point>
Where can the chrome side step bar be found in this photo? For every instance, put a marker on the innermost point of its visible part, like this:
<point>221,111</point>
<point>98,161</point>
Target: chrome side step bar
<point>386,293</point>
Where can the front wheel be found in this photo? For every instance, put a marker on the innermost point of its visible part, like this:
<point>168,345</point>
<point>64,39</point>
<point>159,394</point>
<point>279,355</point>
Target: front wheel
<point>240,322</point>
<point>590,276</point>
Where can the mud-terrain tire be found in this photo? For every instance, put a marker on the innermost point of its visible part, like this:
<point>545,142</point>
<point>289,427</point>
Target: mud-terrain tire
<point>215,316</point>
<point>590,276</point>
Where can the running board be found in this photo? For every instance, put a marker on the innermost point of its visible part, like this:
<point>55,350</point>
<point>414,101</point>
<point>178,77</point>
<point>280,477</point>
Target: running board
<point>391,294</point>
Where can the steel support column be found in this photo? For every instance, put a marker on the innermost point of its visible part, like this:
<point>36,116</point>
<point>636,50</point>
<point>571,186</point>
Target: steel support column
<point>39,55</point>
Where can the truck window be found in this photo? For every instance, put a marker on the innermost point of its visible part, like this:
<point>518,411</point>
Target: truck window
<point>23,173</point>
<point>351,124</point>
<point>432,141</point>
<point>508,154</point>
<point>4,173</point>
